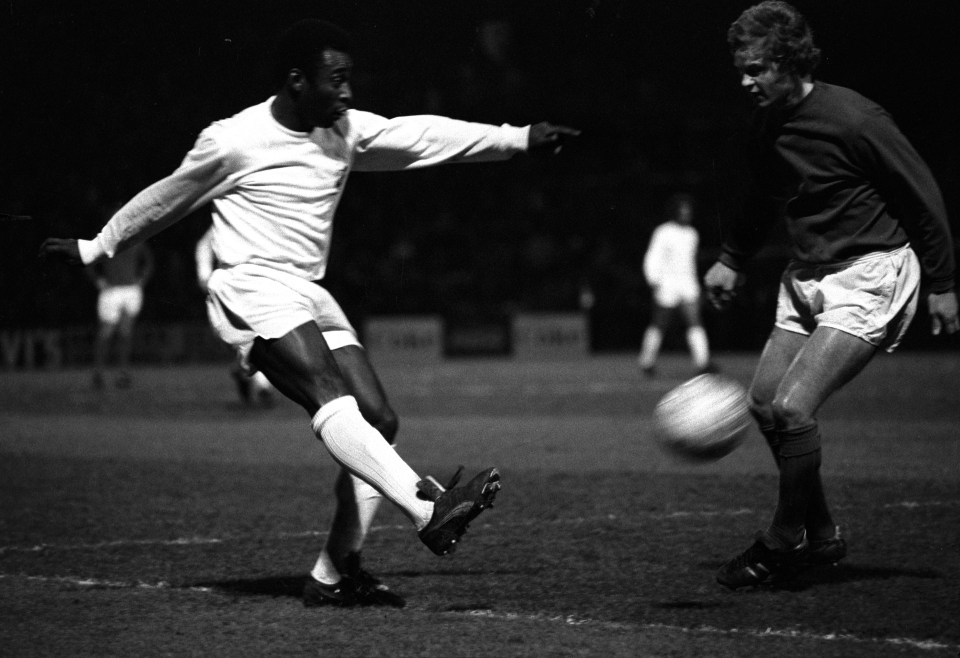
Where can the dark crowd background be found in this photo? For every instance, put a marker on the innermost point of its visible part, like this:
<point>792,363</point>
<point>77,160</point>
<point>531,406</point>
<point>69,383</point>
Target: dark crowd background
<point>100,99</point>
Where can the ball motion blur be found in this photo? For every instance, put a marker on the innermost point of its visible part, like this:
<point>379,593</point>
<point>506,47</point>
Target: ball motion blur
<point>702,419</point>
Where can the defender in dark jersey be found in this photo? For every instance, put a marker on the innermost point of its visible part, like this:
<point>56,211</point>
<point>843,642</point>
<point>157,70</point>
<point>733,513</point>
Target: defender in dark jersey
<point>860,206</point>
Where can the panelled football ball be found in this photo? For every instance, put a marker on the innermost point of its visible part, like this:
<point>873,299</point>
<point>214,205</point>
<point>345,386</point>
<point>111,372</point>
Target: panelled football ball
<point>703,419</point>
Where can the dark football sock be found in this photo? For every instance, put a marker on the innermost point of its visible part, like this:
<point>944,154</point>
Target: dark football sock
<point>798,478</point>
<point>773,442</point>
<point>819,521</point>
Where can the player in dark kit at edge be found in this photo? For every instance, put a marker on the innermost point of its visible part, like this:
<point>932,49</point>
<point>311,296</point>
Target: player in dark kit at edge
<point>835,132</point>
<point>857,200</point>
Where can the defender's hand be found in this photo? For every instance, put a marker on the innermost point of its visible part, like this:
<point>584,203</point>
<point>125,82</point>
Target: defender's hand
<point>943,312</point>
<point>548,138</point>
<point>63,250</point>
<point>722,284</point>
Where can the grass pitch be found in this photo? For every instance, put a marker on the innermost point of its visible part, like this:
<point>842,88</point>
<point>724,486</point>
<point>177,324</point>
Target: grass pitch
<point>169,520</point>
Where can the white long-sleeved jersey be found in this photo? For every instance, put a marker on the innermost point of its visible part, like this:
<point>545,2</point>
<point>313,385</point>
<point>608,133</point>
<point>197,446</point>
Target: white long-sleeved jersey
<point>274,191</point>
<point>670,264</point>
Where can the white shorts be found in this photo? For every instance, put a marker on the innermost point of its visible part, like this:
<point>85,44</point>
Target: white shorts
<point>116,301</point>
<point>873,297</point>
<point>672,295</point>
<point>248,301</point>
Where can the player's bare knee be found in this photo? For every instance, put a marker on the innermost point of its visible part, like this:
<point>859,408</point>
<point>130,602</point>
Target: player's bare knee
<point>760,401</point>
<point>762,411</point>
<point>794,431</point>
<point>789,416</point>
<point>386,422</point>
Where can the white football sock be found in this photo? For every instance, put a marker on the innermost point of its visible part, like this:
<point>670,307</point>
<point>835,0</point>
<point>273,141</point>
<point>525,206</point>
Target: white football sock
<point>367,500</point>
<point>652,338</point>
<point>357,503</point>
<point>324,571</point>
<point>699,348</point>
<point>259,382</point>
<point>360,448</point>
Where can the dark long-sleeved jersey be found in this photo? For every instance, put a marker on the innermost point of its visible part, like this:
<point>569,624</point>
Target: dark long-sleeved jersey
<point>848,183</point>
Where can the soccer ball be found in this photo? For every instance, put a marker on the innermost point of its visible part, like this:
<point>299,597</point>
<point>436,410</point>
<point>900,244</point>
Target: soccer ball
<point>702,419</point>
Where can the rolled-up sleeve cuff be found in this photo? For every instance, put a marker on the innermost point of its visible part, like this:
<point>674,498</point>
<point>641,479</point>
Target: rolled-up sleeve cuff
<point>515,138</point>
<point>91,251</point>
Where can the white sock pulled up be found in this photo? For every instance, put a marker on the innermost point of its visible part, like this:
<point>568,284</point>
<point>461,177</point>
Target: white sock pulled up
<point>359,447</point>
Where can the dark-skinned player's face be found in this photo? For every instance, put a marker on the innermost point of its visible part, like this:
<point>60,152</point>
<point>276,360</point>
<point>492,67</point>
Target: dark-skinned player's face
<point>326,96</point>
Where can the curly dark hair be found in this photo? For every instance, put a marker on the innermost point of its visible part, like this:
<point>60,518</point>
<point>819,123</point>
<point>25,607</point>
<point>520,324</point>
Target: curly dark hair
<point>782,34</point>
<point>301,46</point>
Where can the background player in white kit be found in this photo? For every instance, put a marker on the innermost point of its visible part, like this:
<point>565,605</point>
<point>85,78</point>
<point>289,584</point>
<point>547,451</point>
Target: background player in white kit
<point>670,267</point>
<point>252,387</point>
<point>120,284</point>
<point>274,174</point>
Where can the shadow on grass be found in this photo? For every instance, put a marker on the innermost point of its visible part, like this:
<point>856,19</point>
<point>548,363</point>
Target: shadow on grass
<point>847,573</point>
<point>840,573</point>
<point>292,586</point>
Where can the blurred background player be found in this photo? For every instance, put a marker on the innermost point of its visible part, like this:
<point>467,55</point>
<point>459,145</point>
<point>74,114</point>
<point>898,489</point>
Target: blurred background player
<point>854,193</point>
<point>252,388</point>
<point>274,174</point>
<point>670,268</point>
<point>120,282</point>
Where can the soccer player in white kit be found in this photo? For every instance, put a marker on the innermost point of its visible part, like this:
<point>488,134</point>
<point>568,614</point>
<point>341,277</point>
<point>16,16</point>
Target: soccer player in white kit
<point>670,267</point>
<point>274,174</point>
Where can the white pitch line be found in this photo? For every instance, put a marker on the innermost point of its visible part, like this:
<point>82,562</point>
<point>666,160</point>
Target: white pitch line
<point>566,620</point>
<point>98,583</point>
<point>116,543</point>
<point>200,541</point>
<point>572,620</point>
<point>909,504</point>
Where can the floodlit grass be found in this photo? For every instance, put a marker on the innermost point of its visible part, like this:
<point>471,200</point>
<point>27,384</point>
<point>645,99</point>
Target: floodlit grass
<point>166,519</point>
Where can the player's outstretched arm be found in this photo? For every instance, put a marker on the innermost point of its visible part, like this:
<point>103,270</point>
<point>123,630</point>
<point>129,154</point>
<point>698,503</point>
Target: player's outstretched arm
<point>943,312</point>
<point>548,138</point>
<point>64,250</point>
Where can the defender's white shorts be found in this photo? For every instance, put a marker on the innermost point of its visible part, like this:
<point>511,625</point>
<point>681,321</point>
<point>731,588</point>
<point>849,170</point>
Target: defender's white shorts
<point>247,301</point>
<point>873,297</point>
<point>117,301</point>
